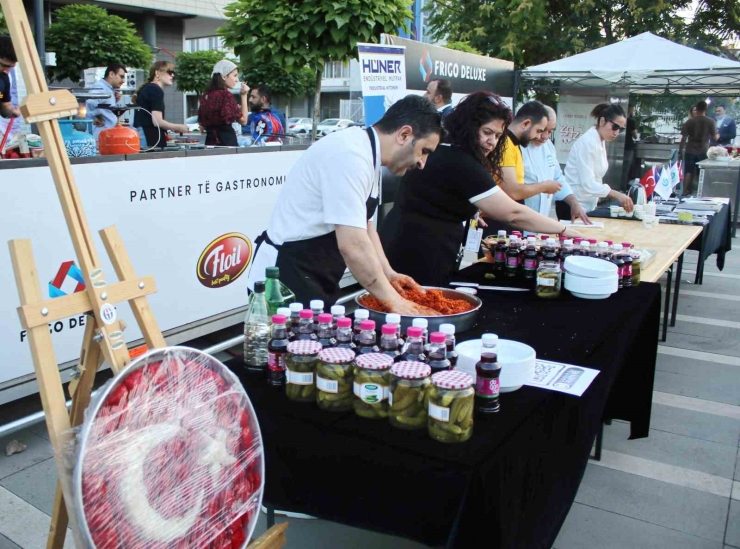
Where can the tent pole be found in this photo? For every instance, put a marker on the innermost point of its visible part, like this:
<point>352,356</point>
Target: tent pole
<point>516,90</point>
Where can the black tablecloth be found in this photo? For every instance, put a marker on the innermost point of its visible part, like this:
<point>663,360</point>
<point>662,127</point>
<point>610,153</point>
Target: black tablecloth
<point>515,480</point>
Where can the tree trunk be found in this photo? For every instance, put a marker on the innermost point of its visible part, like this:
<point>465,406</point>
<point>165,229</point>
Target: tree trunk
<point>317,104</point>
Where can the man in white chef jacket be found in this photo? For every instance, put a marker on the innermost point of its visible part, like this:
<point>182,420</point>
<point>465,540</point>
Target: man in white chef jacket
<point>540,165</point>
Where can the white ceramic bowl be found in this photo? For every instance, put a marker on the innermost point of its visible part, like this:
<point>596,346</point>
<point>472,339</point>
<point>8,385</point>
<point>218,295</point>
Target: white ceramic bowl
<point>589,267</point>
<point>517,362</point>
<point>593,286</point>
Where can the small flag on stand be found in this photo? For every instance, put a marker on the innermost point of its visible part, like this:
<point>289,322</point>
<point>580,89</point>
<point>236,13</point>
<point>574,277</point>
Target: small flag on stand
<point>663,186</point>
<point>675,175</point>
<point>648,181</point>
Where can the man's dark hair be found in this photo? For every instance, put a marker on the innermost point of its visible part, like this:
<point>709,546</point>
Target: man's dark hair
<point>531,110</point>
<point>7,50</point>
<point>114,68</point>
<point>415,111</point>
<point>444,88</point>
<point>702,106</point>
<point>265,92</point>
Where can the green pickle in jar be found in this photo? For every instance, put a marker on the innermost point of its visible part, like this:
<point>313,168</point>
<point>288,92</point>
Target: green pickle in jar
<point>371,385</point>
<point>549,279</point>
<point>409,395</point>
<point>334,378</point>
<point>451,403</point>
<point>300,370</point>
<point>636,268</point>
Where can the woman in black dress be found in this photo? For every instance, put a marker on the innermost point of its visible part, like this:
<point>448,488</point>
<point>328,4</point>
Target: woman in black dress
<point>149,119</point>
<point>218,108</point>
<point>423,232</point>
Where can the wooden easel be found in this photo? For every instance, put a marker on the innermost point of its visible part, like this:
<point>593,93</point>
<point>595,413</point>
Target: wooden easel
<point>103,337</point>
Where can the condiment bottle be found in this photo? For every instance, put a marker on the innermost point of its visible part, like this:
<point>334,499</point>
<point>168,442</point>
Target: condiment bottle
<point>603,251</point>
<point>393,318</point>
<point>517,234</point>
<point>566,251</point>
<point>422,323</point>
<point>285,311</point>
<point>344,334</point>
<point>389,341</point>
<point>360,315</point>
<point>324,331</point>
<point>499,252</point>
<point>618,260</point>
<point>337,312</point>
<point>449,331</point>
<point>305,327</point>
<point>367,338</point>
<point>437,358</point>
<point>487,371</point>
<point>317,308</point>
<point>627,269</point>
<point>636,268</point>
<point>585,248</point>
<point>276,293</point>
<point>610,251</point>
<point>512,258</point>
<point>530,260</point>
<point>549,254</point>
<point>593,242</point>
<point>276,350</point>
<point>295,316</point>
<point>414,351</point>
<point>257,332</point>
<point>577,243</point>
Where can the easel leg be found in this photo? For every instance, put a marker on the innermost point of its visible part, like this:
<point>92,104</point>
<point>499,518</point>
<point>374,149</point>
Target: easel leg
<point>90,360</point>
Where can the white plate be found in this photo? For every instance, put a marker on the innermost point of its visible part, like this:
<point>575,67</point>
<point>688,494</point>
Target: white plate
<point>593,286</point>
<point>517,362</point>
<point>589,267</point>
<point>590,296</point>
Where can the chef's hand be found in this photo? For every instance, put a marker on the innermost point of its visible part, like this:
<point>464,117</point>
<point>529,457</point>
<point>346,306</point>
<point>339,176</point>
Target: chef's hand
<point>550,186</point>
<point>577,212</point>
<point>481,221</point>
<point>244,89</point>
<point>98,121</point>
<point>626,202</point>
<point>118,96</point>
<point>409,308</point>
<point>182,128</point>
<point>402,282</point>
<point>15,112</point>
<point>571,233</point>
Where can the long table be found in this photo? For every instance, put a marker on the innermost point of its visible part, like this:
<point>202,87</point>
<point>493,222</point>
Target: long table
<point>514,481</point>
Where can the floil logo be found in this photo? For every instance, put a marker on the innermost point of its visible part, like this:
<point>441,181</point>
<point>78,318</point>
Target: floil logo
<point>224,260</point>
<point>426,67</point>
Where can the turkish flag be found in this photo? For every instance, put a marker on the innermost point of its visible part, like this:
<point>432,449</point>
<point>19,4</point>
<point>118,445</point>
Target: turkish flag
<point>648,181</point>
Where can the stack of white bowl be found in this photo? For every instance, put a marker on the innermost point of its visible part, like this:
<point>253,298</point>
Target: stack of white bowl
<point>590,278</point>
<point>517,362</point>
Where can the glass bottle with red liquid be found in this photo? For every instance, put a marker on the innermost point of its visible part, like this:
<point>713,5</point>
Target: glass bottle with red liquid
<point>305,326</point>
<point>324,331</point>
<point>530,260</point>
<point>344,334</point>
<point>618,260</point>
<point>395,319</point>
<point>389,341</point>
<point>449,331</point>
<point>487,371</point>
<point>513,256</point>
<point>367,341</point>
<point>437,358</point>
<point>360,315</point>
<point>627,269</point>
<point>277,347</point>
<point>295,318</point>
<point>499,252</point>
<point>414,351</point>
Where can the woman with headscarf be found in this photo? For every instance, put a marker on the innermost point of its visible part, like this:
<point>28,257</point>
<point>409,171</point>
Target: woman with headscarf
<point>218,109</point>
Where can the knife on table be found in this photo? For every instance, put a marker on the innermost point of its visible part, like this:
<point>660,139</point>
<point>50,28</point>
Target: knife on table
<point>479,287</point>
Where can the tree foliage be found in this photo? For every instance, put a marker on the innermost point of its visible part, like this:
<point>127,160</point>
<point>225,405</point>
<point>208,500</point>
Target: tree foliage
<point>462,46</point>
<point>85,36</point>
<point>194,70</point>
<point>3,23</point>
<point>307,33</point>
<point>297,83</point>
<point>719,18</point>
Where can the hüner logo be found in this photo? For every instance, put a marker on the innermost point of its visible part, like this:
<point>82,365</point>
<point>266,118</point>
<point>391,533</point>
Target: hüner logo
<point>376,66</point>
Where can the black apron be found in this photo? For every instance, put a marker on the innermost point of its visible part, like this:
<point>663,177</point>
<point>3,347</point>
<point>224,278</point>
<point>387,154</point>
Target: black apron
<point>224,136</point>
<point>312,268</point>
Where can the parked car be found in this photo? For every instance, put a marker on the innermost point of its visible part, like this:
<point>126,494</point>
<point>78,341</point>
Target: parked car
<point>360,123</point>
<point>299,125</point>
<point>331,125</point>
<point>192,124</point>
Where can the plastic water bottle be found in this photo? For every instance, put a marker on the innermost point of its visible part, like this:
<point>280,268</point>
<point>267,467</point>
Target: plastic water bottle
<point>257,332</point>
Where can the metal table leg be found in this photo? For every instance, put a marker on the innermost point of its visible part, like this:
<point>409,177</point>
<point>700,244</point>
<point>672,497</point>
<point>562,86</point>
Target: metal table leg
<point>270,516</point>
<point>699,278</point>
<point>667,308</point>
<point>679,268</point>
<point>734,205</point>
<point>599,441</point>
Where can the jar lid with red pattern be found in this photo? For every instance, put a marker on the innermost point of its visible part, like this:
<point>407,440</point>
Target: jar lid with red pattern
<point>411,370</point>
<point>452,379</point>
<point>304,347</point>
<point>337,356</point>
<point>374,361</point>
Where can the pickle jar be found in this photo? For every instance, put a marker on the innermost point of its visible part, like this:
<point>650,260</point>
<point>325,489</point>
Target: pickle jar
<point>300,367</point>
<point>372,377</point>
<point>636,268</point>
<point>451,402</point>
<point>409,395</point>
<point>334,376</point>
<point>549,280</point>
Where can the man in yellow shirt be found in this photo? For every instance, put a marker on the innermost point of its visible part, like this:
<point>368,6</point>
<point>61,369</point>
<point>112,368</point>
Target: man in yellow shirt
<point>529,123</point>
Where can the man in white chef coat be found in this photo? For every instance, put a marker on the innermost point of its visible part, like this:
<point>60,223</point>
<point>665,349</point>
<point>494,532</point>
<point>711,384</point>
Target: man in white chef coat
<point>540,165</point>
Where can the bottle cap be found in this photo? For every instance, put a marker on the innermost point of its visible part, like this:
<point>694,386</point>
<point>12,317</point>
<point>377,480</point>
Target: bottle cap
<point>568,242</point>
<point>502,234</point>
<point>516,233</point>
<point>562,238</point>
<point>344,322</point>
<point>452,379</point>
<point>367,325</point>
<point>531,239</point>
<point>272,272</point>
<point>415,331</point>
<point>610,242</point>
<point>306,314</point>
<point>544,236</point>
<point>447,329</point>
<point>585,244</point>
<point>577,240</point>
<point>284,311</point>
<point>337,310</point>
<point>437,337</point>
<point>316,304</point>
<point>489,339</point>
<point>304,347</point>
<point>325,318</point>
<point>259,287</point>
<point>626,245</point>
<point>411,370</point>
<point>422,323</point>
<point>296,307</point>
<point>592,241</point>
<point>337,356</point>
<point>603,245</point>
<point>279,319</point>
<point>551,241</point>
<point>513,239</point>
<point>374,361</point>
<point>389,329</point>
<point>362,314</point>
<point>393,318</point>
<point>617,246</point>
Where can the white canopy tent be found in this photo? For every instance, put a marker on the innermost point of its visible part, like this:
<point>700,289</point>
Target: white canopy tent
<point>644,64</point>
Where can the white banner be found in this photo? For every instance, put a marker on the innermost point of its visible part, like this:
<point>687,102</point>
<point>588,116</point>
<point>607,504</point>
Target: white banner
<point>383,74</point>
<point>189,222</point>
<point>574,119</point>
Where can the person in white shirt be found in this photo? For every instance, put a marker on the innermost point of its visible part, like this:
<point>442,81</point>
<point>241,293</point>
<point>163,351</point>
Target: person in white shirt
<point>115,77</point>
<point>322,222</point>
<point>541,164</point>
<point>587,162</point>
<point>439,92</point>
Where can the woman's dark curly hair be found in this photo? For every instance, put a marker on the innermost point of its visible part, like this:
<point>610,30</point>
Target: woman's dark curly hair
<point>463,125</point>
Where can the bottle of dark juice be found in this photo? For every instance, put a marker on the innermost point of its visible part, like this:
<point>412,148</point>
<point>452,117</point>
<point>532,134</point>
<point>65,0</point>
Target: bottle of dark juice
<point>487,372</point>
<point>276,349</point>
<point>499,252</point>
<point>437,358</point>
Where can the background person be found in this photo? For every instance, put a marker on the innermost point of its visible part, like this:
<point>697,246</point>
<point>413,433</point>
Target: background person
<point>8,61</point>
<point>630,148</point>
<point>260,101</point>
<point>151,97</point>
<point>115,77</point>
<point>541,164</point>
<point>696,134</point>
<point>423,232</point>
<point>439,92</point>
<point>587,162</point>
<point>726,127</point>
<point>218,108</point>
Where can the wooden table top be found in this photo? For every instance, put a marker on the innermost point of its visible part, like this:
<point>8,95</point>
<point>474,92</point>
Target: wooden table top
<point>669,241</point>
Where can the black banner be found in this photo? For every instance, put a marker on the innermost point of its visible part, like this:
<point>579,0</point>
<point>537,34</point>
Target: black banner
<point>467,72</point>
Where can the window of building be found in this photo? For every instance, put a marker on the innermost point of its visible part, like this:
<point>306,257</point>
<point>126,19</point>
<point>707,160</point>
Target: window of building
<point>206,43</point>
<point>336,69</point>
